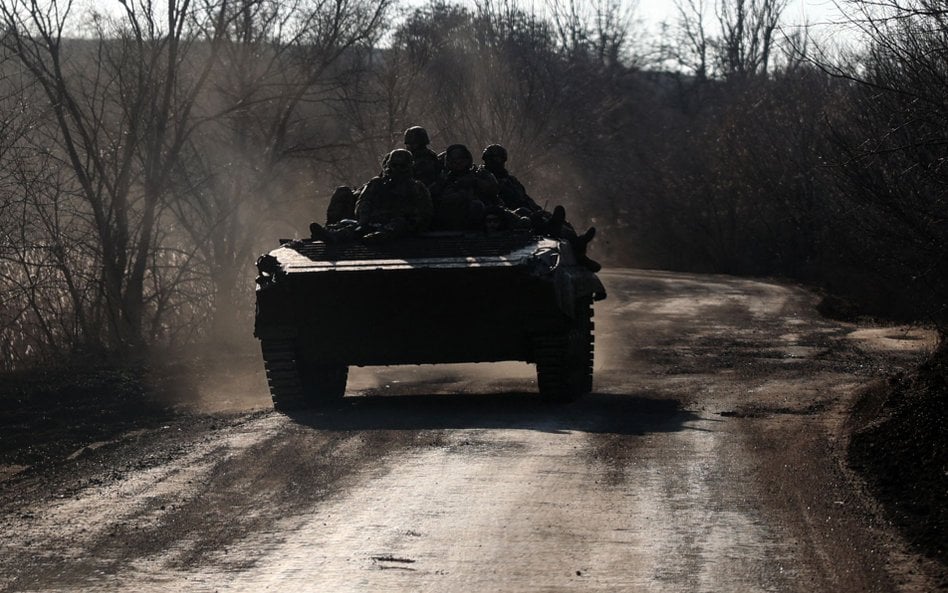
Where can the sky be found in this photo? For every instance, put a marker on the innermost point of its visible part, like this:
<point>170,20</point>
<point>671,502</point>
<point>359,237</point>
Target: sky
<point>798,11</point>
<point>818,13</point>
<point>650,11</point>
<point>822,17</point>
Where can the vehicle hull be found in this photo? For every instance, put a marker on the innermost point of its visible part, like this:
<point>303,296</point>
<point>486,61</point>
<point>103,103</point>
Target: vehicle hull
<point>427,300</point>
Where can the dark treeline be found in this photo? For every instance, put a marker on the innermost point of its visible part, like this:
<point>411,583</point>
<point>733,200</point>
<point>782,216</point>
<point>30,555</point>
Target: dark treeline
<point>147,158</point>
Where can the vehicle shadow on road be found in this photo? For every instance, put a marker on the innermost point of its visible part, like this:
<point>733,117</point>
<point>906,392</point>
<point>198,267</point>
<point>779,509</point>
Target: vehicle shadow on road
<point>600,413</point>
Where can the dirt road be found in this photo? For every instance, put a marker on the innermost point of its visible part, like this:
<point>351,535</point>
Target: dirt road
<point>707,459</point>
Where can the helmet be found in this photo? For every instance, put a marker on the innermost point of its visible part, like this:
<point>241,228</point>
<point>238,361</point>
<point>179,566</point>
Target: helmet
<point>399,161</point>
<point>457,153</point>
<point>458,150</point>
<point>417,135</point>
<point>494,151</point>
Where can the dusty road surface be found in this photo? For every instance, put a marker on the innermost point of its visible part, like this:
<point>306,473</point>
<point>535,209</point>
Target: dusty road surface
<point>708,458</point>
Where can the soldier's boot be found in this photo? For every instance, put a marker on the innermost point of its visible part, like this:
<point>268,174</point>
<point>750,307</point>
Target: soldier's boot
<point>589,263</point>
<point>318,233</point>
<point>554,226</point>
<point>586,237</point>
<point>376,237</point>
<point>579,244</point>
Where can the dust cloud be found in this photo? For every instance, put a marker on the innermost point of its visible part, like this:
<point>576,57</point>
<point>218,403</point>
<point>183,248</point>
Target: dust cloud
<point>239,385</point>
<point>235,382</point>
<point>226,383</point>
<point>495,377</point>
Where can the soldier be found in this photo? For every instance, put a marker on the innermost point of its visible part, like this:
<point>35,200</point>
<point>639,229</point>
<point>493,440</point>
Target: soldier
<point>396,203</point>
<point>390,206</point>
<point>341,205</point>
<point>463,193</point>
<point>427,165</point>
<point>512,192</point>
<point>515,197</point>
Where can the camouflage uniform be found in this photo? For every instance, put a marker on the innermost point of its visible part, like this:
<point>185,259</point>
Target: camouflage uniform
<point>389,206</point>
<point>395,203</point>
<point>515,198</point>
<point>341,205</point>
<point>427,166</point>
<point>512,192</point>
<point>463,193</point>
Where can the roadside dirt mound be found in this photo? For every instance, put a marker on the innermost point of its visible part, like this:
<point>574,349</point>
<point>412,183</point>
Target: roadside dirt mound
<point>899,444</point>
<point>50,414</point>
<point>47,414</point>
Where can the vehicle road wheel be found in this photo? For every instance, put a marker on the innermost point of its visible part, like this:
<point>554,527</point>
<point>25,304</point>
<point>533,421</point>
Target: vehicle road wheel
<point>565,361</point>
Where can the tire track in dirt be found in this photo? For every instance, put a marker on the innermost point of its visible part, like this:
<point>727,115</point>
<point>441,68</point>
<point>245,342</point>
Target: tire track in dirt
<point>706,460</point>
<point>172,505</point>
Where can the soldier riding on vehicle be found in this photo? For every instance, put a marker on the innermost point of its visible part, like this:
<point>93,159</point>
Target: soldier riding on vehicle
<point>389,206</point>
<point>515,198</point>
<point>463,193</point>
<point>512,192</point>
<point>427,166</point>
<point>375,289</point>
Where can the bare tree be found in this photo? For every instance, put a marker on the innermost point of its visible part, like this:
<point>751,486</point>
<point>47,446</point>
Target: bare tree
<point>748,29</point>
<point>48,294</point>
<point>122,110</point>
<point>690,50</point>
<point>893,143</point>
<point>599,30</point>
<point>282,66</point>
<point>743,43</point>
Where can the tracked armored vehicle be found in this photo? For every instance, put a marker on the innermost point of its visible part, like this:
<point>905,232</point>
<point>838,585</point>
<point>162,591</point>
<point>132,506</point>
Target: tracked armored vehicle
<point>433,298</point>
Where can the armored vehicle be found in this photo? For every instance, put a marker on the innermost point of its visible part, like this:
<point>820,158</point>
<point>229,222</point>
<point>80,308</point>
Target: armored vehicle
<point>433,298</point>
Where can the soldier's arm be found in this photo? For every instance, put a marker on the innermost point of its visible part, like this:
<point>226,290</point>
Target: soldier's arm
<point>423,207</point>
<point>365,206</point>
<point>488,187</point>
<point>529,203</point>
<point>341,204</point>
<point>437,188</point>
